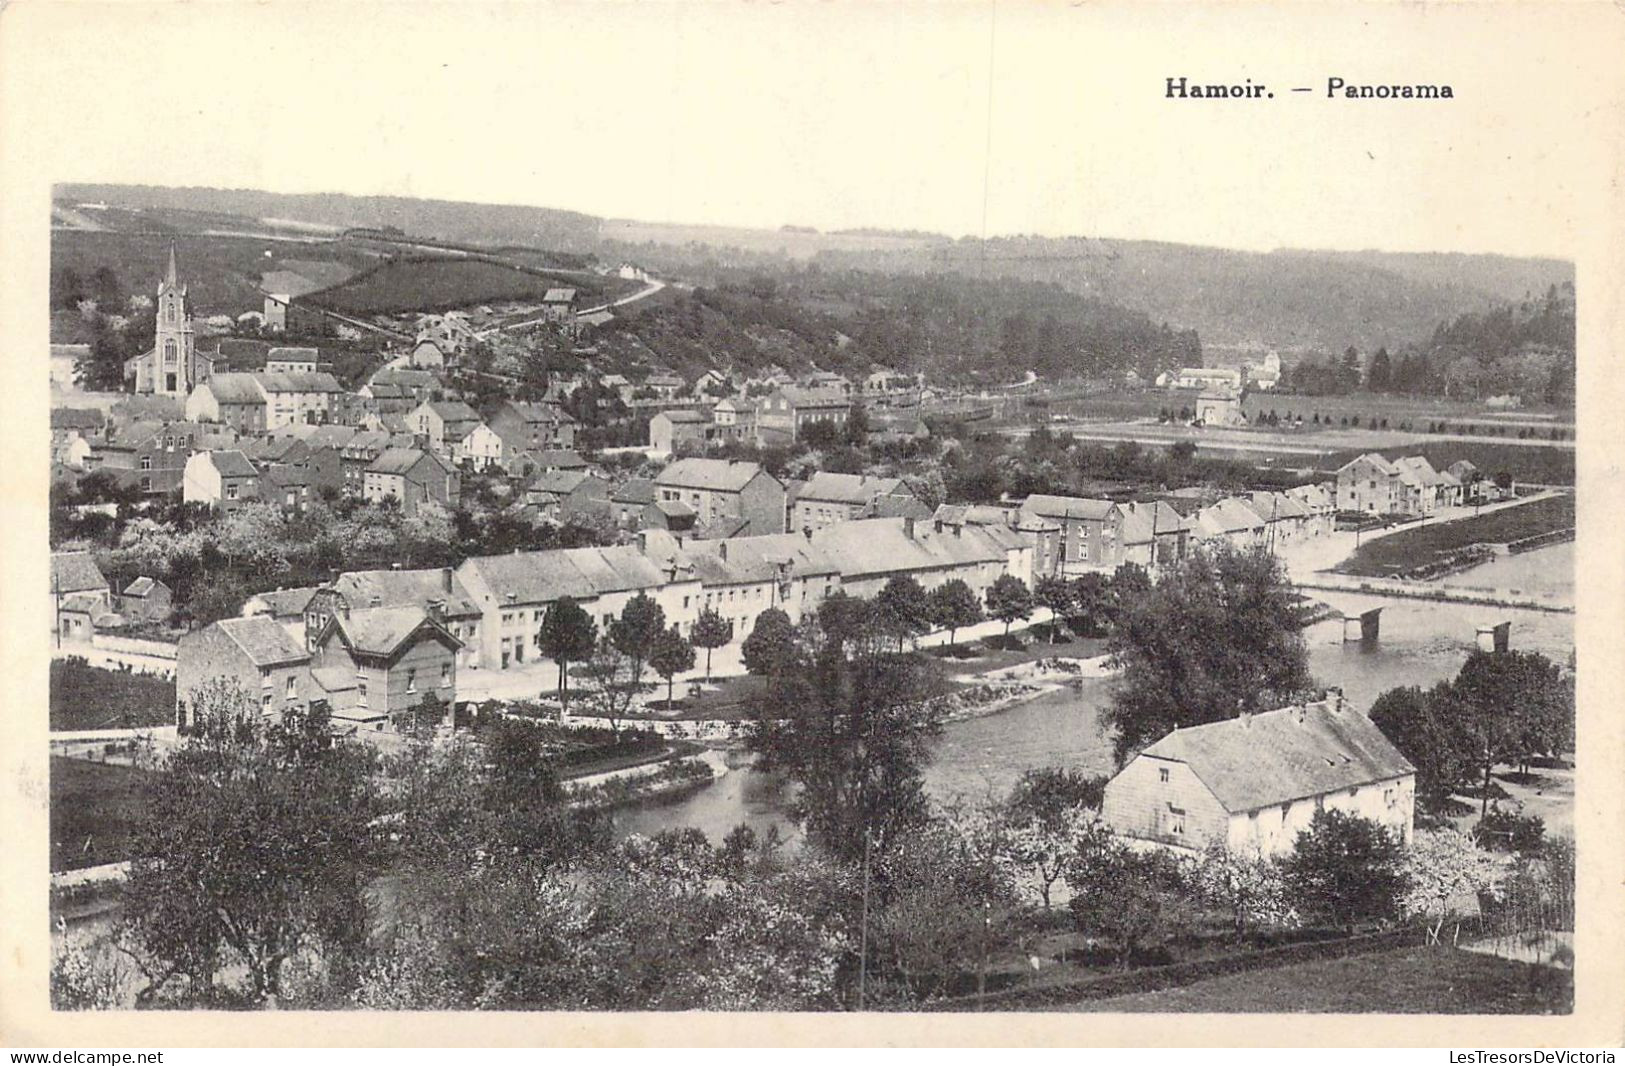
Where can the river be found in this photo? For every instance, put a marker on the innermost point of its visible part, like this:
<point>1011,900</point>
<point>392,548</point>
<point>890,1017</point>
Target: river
<point>1421,642</point>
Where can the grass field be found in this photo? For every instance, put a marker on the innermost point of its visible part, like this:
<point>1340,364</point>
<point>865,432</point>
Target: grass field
<point>88,697</point>
<point>94,809</point>
<point>1413,980</point>
<point>1411,548</point>
<point>430,284</point>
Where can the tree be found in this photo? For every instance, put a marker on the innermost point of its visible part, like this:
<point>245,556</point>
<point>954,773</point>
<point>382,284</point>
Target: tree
<point>1090,604</point>
<point>616,681</point>
<point>770,648</point>
<point>711,631</point>
<point>1247,885</point>
<point>1052,815</point>
<point>1131,898</point>
<point>1445,872</point>
<point>1512,705</point>
<point>1054,593</point>
<point>253,848</point>
<point>953,606</point>
<point>670,656</point>
<point>1381,374</point>
<point>1347,869</point>
<point>634,633</point>
<point>568,635</point>
<point>1423,726</point>
<point>1009,599</point>
<point>1218,635</point>
<point>904,608</point>
<point>851,724</point>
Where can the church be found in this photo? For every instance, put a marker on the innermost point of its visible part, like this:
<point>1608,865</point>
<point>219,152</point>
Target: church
<point>173,366</point>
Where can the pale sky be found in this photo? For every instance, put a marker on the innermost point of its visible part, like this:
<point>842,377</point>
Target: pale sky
<point>956,118</point>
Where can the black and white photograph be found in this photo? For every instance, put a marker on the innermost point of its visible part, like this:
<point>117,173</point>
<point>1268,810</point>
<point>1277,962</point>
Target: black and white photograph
<point>939,509</point>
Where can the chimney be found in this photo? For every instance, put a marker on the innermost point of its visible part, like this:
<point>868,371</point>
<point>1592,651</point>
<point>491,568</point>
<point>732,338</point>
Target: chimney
<point>436,609</point>
<point>908,528</point>
<point>722,550</point>
<point>445,579</point>
<point>806,531</point>
<point>643,541</point>
<point>1334,698</point>
<point>377,601</point>
<point>1246,719</point>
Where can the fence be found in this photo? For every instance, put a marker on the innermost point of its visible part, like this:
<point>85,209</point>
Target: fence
<point>1540,540</point>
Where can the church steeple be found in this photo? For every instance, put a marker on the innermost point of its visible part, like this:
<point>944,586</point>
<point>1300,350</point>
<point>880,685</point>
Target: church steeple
<point>170,277</point>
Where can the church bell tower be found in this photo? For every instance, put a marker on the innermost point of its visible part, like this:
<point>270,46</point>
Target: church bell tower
<point>174,365</point>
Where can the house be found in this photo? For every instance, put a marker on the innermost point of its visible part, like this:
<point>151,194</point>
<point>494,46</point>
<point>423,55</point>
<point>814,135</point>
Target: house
<point>1436,489</point>
<point>79,592</point>
<point>1232,521</point>
<point>627,501</point>
<point>451,333</point>
<point>672,516</point>
<point>829,381</point>
<point>154,452</point>
<point>673,431</point>
<point>741,577</point>
<point>1154,535</point>
<point>721,489</point>
<point>376,665</point>
<point>234,400</point>
<point>1219,407</point>
<point>711,383</point>
<point>532,427</point>
<point>784,414</point>
<point>74,432</point>
<point>440,424</point>
<point>426,355</point>
<point>297,398</point>
<point>480,448</point>
<point>1285,519</point>
<point>565,494</point>
<point>1091,530</point>
<point>1319,502</point>
<point>437,592</point>
<point>1042,535</point>
<point>545,460</point>
<point>665,386</point>
<point>256,656</point>
<point>224,480</point>
<point>358,453</point>
<point>285,607</point>
<point>146,599</point>
<point>559,304</point>
<point>1255,782</point>
<point>619,385</point>
<point>411,476</point>
<point>1371,484</point>
<point>514,592</point>
<point>828,498</point>
<point>1208,377</point>
<point>870,552</point>
<point>398,389</point>
<point>291,360</point>
<point>735,419</point>
<point>1475,487</point>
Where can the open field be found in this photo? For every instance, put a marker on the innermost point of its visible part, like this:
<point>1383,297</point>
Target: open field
<point>93,812</point>
<point>1412,980</point>
<point>437,283</point>
<point>87,697</point>
<point>1409,549</point>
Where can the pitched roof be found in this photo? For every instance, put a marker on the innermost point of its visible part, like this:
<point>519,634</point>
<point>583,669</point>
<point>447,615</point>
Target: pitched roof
<point>1144,521</point>
<point>1284,755</point>
<point>684,416</point>
<point>299,381</point>
<point>382,630</point>
<point>1371,457</point>
<point>263,640</point>
<point>883,545</point>
<point>635,490</point>
<point>1229,515</point>
<point>753,559</point>
<point>76,572</point>
<point>399,461</point>
<point>290,355</point>
<point>285,603</point>
<point>366,442</point>
<point>77,418</point>
<point>143,586</point>
<point>560,295</point>
<point>1276,505</point>
<point>717,475</point>
<point>559,481</point>
<point>800,397</point>
<point>232,463</point>
<point>1067,507</point>
<point>859,489</point>
<point>454,411</point>
<point>403,588</point>
<point>581,573</point>
<point>234,388</point>
<point>538,413</point>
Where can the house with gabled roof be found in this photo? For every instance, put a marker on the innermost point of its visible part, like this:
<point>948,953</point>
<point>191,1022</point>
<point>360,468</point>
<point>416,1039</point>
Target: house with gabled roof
<point>375,665</point>
<point>443,423</point>
<point>225,480</point>
<point>533,427</point>
<point>1370,484</point>
<point>680,430</point>
<point>565,494</point>
<point>154,453</point>
<point>1091,530</point>
<point>269,666</point>
<point>1234,521</point>
<point>146,599</point>
<point>411,476</point>
<point>1255,782</point>
<point>79,592</point>
<point>515,591</point>
<point>437,592</point>
<point>1155,535</point>
<point>783,415</point>
<point>828,497</point>
<point>871,551</point>
<point>726,491</point>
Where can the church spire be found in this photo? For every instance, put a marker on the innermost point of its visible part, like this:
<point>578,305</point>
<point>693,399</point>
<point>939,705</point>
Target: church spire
<point>171,278</point>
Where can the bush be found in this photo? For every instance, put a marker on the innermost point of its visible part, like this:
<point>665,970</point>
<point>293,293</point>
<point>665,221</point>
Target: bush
<point>1346,868</point>
<point>1508,831</point>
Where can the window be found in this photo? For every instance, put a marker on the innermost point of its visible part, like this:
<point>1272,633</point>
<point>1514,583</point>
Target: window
<point>146,462</point>
<point>1162,775</point>
<point>1176,821</point>
<point>265,701</point>
<point>411,680</point>
<point>231,492</point>
<point>288,689</point>
<point>445,674</point>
